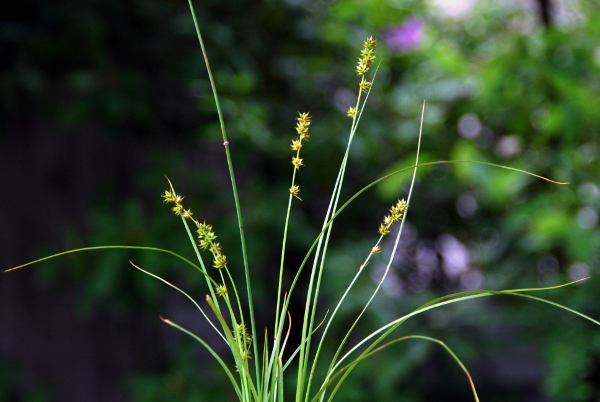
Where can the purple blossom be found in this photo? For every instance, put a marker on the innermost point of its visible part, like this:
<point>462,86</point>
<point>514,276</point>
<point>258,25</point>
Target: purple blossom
<point>406,36</point>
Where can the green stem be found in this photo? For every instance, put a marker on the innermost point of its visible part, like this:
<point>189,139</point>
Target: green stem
<point>389,263</point>
<point>278,313</point>
<point>234,188</point>
<point>239,359</point>
<point>321,256</point>
<point>183,293</point>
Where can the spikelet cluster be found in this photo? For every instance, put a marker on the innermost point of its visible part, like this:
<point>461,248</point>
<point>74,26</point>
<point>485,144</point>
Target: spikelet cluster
<point>302,127</point>
<point>244,339</point>
<point>367,56</point>
<point>206,241</point>
<point>206,235</point>
<point>396,214</point>
<point>170,197</point>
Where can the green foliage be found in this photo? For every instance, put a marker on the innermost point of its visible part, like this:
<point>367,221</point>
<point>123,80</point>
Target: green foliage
<point>10,376</point>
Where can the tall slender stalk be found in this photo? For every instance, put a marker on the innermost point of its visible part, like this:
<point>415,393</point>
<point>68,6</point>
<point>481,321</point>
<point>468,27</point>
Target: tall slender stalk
<point>364,63</point>
<point>235,192</point>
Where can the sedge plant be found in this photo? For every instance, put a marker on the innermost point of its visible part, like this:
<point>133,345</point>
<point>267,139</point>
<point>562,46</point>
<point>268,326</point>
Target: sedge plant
<point>257,367</point>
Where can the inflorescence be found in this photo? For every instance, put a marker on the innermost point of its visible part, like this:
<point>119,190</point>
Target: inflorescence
<point>302,126</point>
<point>396,215</point>
<point>367,56</point>
<point>206,235</point>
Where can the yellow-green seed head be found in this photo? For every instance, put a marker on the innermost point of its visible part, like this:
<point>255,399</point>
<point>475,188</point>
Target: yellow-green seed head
<point>171,196</point>
<point>402,206</point>
<point>243,334</point>
<point>296,145</point>
<point>365,86</point>
<point>205,230</point>
<point>220,261</point>
<point>178,209</point>
<point>297,162</point>
<point>396,214</point>
<point>367,56</point>
<point>168,196</point>
<point>388,220</point>
<point>221,290</point>
<point>303,123</point>
<point>383,230</point>
<point>295,190</point>
<point>215,249</point>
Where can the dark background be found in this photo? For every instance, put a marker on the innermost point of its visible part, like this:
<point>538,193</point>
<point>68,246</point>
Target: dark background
<point>100,99</point>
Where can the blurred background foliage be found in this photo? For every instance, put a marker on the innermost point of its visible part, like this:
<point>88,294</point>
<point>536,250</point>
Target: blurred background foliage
<point>100,99</point>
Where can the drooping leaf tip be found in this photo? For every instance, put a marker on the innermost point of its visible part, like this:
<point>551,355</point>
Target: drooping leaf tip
<point>166,320</point>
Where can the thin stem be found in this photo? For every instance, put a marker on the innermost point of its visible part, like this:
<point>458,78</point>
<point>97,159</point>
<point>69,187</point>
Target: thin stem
<point>321,256</point>
<point>281,266</point>
<point>388,265</point>
<point>185,294</point>
<point>234,188</point>
<point>239,359</point>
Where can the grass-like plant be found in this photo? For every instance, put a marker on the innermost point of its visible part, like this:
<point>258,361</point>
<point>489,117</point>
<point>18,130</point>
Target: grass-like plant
<point>257,367</point>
